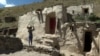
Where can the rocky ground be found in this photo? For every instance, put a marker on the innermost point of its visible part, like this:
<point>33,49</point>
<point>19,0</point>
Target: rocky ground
<point>25,53</point>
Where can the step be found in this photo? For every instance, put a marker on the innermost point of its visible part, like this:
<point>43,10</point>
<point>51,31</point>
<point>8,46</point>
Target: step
<point>47,40</point>
<point>43,46</point>
<point>50,36</point>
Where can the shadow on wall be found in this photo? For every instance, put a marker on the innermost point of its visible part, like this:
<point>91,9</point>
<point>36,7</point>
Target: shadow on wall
<point>69,18</point>
<point>63,34</point>
<point>40,15</point>
<point>10,45</point>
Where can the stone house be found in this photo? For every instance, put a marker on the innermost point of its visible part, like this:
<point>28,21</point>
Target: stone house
<point>81,9</point>
<point>75,38</point>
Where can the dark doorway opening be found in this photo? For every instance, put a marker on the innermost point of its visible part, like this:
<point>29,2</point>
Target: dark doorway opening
<point>72,28</point>
<point>0,31</point>
<point>86,10</point>
<point>87,41</point>
<point>52,25</point>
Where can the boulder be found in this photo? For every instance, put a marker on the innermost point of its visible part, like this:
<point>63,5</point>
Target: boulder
<point>10,44</point>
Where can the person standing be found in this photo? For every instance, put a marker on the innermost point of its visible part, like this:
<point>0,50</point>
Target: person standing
<point>30,30</point>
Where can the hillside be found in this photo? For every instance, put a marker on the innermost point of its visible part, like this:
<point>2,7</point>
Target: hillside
<point>20,10</point>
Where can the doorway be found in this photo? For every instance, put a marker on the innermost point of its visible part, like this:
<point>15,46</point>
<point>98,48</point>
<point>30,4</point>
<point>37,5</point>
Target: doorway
<point>87,41</point>
<point>52,25</point>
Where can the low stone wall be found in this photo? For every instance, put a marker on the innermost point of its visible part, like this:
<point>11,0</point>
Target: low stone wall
<point>8,45</point>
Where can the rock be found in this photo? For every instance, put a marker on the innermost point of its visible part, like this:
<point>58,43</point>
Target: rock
<point>10,44</point>
<point>13,44</point>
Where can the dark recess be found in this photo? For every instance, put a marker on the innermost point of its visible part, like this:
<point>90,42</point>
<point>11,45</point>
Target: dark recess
<point>87,41</point>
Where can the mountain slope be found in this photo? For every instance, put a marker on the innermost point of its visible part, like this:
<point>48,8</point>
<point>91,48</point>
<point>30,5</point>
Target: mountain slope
<point>20,10</point>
